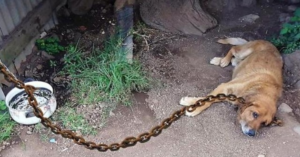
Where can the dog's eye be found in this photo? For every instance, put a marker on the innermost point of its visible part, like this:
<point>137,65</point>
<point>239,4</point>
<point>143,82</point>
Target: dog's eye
<point>255,115</point>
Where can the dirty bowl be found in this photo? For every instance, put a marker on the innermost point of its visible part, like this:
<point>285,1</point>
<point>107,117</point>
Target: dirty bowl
<point>22,112</point>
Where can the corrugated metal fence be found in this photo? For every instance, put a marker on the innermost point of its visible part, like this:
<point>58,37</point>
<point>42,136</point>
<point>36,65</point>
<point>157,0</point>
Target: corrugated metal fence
<point>12,12</point>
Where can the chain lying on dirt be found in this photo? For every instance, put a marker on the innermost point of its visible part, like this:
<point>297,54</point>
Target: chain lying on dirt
<point>127,142</point>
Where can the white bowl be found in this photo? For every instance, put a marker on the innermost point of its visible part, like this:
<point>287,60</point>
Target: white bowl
<point>26,116</point>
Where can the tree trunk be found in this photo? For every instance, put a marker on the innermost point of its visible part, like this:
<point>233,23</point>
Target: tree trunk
<point>177,16</point>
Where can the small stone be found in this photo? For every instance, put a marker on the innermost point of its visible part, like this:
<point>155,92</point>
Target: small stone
<point>285,108</point>
<point>111,113</point>
<point>297,129</point>
<point>249,18</point>
<point>57,79</point>
<point>102,32</point>
<point>284,17</point>
<point>30,129</point>
<point>28,132</point>
<point>102,105</point>
<point>28,73</point>
<point>6,143</point>
<point>39,67</point>
<point>291,8</point>
<point>42,35</point>
<point>78,133</point>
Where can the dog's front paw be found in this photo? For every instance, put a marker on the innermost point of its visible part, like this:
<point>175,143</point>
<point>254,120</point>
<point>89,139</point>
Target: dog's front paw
<point>190,114</point>
<point>224,62</point>
<point>185,101</point>
<point>215,61</point>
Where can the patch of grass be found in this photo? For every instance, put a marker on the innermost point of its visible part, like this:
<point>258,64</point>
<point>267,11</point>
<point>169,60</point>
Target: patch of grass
<point>24,147</point>
<point>289,38</point>
<point>44,133</point>
<point>6,124</point>
<point>104,75</point>
<point>74,121</point>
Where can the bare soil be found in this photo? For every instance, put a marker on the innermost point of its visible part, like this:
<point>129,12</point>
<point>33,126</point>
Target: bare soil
<point>179,66</point>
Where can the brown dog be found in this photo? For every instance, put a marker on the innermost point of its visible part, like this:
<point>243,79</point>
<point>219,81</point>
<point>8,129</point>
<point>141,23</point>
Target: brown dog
<point>257,77</point>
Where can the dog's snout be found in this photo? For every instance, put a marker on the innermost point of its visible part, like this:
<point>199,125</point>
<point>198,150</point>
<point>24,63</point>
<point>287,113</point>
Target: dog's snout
<point>251,132</point>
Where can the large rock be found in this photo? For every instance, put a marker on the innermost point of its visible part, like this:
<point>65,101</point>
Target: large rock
<point>292,68</point>
<point>292,80</point>
<point>80,7</point>
<point>290,1</point>
<point>248,3</point>
<point>177,16</point>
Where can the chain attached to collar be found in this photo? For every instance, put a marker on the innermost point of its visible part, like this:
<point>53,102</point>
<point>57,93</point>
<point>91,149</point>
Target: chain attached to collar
<point>127,142</point>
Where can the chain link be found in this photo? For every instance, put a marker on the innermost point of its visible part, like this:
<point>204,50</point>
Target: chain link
<point>127,142</point>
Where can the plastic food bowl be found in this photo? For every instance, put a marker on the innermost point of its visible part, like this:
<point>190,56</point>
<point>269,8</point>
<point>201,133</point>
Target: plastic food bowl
<point>22,112</point>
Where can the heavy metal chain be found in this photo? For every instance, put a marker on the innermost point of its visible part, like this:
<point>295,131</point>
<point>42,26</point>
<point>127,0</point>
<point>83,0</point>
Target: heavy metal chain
<point>127,142</point>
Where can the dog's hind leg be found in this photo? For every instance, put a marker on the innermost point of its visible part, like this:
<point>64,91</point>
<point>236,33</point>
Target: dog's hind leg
<point>235,55</point>
<point>223,62</point>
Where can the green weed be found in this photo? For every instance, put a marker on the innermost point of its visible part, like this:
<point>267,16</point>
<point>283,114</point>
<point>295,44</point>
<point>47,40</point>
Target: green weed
<point>104,75</point>
<point>289,38</point>
<point>24,147</point>
<point>6,124</point>
<point>52,63</point>
<point>44,133</point>
<point>50,45</point>
<point>74,121</point>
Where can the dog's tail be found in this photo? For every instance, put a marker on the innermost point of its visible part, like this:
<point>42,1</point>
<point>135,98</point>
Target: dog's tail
<point>233,41</point>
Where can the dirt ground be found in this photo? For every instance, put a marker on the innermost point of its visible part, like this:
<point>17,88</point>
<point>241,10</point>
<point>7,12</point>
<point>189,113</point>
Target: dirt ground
<point>180,64</point>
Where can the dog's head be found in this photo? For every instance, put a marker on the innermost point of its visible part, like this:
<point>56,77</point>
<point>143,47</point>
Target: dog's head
<point>252,115</point>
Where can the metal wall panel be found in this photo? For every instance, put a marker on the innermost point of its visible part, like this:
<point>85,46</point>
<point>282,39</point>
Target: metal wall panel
<point>12,12</point>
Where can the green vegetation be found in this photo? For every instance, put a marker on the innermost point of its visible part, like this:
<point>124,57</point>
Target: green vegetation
<point>52,63</point>
<point>289,38</point>
<point>50,45</point>
<point>6,124</point>
<point>74,121</point>
<point>104,75</point>
<point>42,131</point>
<point>2,106</point>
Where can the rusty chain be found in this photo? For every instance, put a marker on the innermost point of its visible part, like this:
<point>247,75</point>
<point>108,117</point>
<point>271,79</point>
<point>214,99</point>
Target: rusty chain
<point>127,142</point>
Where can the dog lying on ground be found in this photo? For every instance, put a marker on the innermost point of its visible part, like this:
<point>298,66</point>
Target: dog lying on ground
<point>257,78</point>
